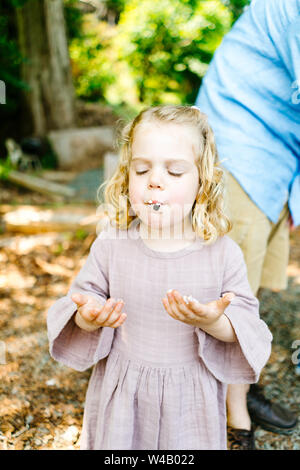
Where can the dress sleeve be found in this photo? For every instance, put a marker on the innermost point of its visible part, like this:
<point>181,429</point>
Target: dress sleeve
<point>243,360</point>
<point>68,343</point>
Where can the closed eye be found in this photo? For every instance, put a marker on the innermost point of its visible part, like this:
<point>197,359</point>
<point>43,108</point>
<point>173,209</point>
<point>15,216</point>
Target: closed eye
<point>170,172</point>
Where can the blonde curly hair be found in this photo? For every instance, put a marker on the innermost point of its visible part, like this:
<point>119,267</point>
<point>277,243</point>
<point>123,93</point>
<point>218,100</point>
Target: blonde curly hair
<point>208,217</point>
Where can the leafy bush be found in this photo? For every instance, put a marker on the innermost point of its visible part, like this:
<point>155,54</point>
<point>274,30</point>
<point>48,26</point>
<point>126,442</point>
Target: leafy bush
<point>168,45</point>
<point>10,57</point>
<point>10,61</point>
<point>142,52</point>
<point>236,7</point>
<point>73,19</point>
<point>92,59</point>
<point>12,119</point>
<point>157,53</point>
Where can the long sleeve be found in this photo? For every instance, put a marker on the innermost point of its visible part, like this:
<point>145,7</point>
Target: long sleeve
<point>68,343</point>
<point>289,51</point>
<point>289,47</point>
<point>243,360</point>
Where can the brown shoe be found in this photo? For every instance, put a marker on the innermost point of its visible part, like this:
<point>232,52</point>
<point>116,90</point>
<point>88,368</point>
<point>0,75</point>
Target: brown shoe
<point>240,439</point>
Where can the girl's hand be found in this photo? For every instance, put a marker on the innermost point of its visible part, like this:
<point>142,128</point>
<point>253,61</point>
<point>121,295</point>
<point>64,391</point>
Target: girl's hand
<point>194,313</point>
<point>92,315</point>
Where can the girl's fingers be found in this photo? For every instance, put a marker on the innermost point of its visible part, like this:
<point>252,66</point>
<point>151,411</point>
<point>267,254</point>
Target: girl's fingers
<point>189,312</point>
<point>115,314</point>
<point>79,299</point>
<point>196,307</point>
<point>177,306</point>
<point>119,321</point>
<point>110,313</point>
<point>105,311</point>
<point>87,306</point>
<point>192,310</point>
<point>168,308</point>
<point>90,313</point>
<point>211,307</point>
<point>225,300</point>
<point>95,312</point>
<point>229,296</point>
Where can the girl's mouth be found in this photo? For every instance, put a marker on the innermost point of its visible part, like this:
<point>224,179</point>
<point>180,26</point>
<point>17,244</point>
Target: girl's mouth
<point>154,203</point>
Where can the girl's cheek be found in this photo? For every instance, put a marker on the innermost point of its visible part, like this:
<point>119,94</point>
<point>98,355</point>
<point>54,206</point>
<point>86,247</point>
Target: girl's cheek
<point>135,192</point>
<point>183,196</point>
<point>136,196</point>
<point>178,198</point>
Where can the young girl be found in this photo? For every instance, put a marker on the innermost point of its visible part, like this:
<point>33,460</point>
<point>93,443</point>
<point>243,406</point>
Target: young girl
<point>191,324</point>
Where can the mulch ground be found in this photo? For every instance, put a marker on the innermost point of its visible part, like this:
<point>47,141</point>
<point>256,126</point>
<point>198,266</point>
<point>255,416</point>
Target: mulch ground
<point>41,401</point>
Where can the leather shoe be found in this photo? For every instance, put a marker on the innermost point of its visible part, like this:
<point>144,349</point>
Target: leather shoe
<point>270,416</point>
<point>240,439</point>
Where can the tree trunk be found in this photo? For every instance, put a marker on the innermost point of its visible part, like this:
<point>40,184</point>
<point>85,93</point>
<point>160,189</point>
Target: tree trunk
<point>43,43</point>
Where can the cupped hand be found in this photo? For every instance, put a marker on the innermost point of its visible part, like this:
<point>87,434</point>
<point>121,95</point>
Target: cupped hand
<point>194,313</point>
<point>91,314</point>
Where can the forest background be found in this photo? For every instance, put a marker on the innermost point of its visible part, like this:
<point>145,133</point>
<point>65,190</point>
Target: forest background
<point>126,54</point>
<point>115,56</point>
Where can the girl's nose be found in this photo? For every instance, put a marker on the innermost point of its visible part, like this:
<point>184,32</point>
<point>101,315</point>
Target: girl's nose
<point>155,180</point>
<point>155,185</point>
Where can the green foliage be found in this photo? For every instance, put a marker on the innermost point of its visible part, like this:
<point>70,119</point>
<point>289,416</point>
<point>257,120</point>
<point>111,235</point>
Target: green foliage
<point>10,61</point>
<point>5,168</point>
<point>142,52</point>
<point>73,18</point>
<point>158,52</point>
<point>91,58</point>
<point>49,160</point>
<point>10,57</point>
<point>116,6</point>
<point>236,7</point>
<point>169,43</point>
<point>81,234</point>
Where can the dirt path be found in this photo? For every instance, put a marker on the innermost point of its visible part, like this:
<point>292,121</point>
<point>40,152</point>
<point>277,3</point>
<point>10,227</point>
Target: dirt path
<point>41,401</point>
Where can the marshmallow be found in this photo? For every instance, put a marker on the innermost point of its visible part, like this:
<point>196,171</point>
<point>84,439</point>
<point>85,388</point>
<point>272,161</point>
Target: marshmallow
<point>189,299</point>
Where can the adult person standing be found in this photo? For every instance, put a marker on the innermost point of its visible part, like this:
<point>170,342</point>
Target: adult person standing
<point>251,94</point>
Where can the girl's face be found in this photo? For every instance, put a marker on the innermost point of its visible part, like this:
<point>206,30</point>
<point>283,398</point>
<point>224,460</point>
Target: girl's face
<point>163,169</point>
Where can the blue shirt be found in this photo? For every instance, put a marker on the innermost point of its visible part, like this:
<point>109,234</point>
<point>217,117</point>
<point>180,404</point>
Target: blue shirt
<point>251,95</point>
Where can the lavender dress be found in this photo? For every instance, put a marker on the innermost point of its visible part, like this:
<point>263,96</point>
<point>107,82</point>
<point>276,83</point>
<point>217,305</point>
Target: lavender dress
<point>158,383</point>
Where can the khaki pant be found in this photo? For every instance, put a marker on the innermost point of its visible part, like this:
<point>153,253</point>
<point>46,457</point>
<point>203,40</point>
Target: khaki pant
<point>265,245</point>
